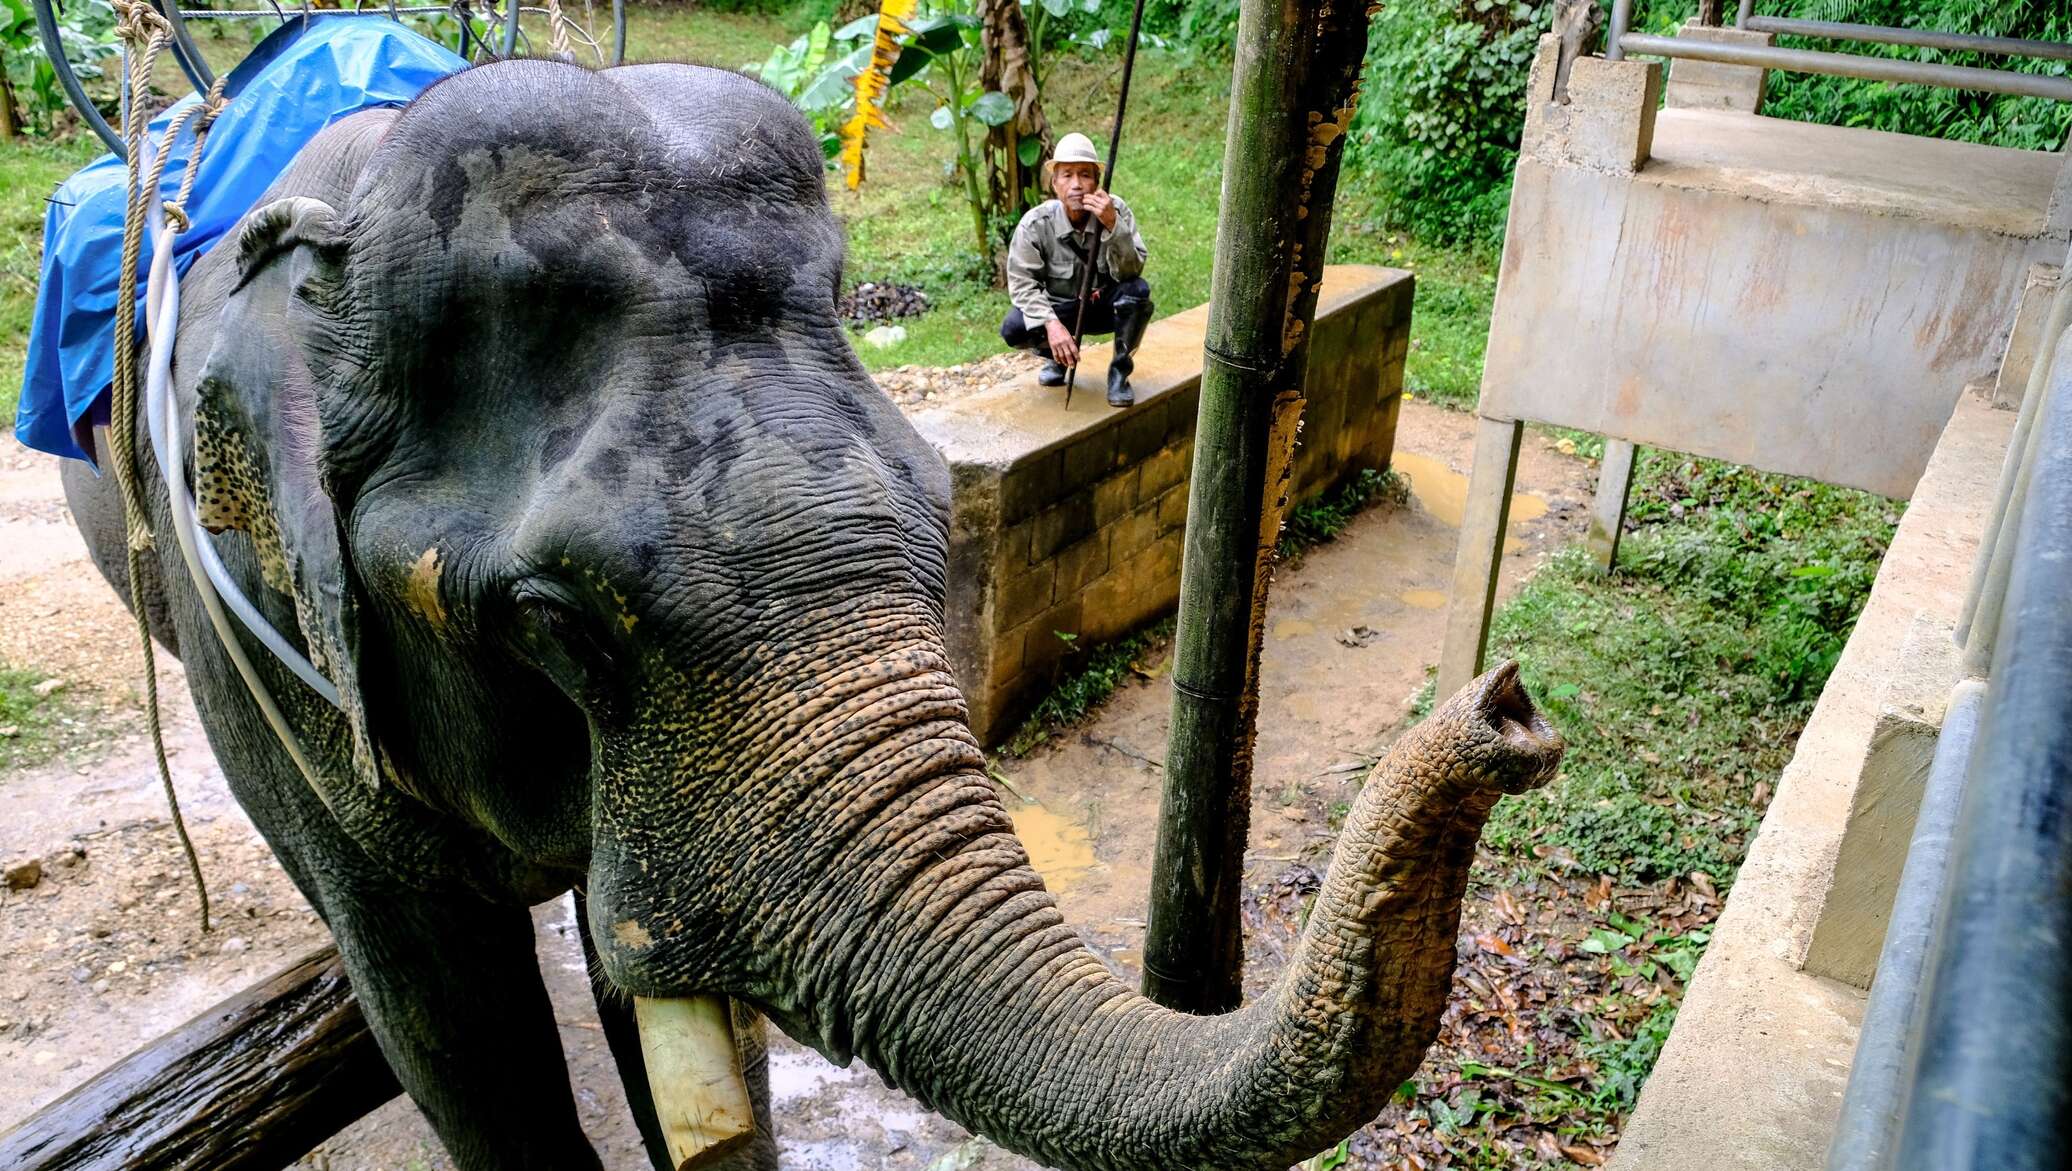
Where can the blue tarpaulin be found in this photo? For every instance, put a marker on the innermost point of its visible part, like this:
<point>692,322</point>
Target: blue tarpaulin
<point>307,74</point>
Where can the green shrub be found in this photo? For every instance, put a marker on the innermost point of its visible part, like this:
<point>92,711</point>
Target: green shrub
<point>1438,126</point>
<point>2024,123</point>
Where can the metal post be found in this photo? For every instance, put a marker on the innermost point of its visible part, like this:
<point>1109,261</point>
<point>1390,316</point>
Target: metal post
<point>1622,19</point>
<point>1742,13</point>
<point>1299,64</point>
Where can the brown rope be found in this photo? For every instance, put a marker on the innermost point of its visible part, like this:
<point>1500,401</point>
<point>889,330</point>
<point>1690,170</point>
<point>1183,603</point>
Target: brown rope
<point>146,33</point>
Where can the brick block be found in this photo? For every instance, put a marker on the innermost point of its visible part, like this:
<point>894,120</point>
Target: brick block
<point>1041,646</point>
<point>1114,497</point>
<point>1090,456</point>
<point>1060,525</point>
<point>1172,509</point>
<point>1169,467</point>
<point>1079,564</point>
<point>1025,595</point>
<point>1133,532</point>
<point>1030,485</point>
<point>1142,433</point>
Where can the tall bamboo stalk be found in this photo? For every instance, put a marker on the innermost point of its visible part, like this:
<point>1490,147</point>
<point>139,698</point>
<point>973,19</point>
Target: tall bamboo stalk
<point>1297,78</point>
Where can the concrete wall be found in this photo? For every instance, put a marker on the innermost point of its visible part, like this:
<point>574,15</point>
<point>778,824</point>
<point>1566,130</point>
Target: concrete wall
<point>1806,299</point>
<point>1069,522</point>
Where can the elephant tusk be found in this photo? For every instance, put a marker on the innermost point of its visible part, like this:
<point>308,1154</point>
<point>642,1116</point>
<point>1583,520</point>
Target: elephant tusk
<point>694,1072</point>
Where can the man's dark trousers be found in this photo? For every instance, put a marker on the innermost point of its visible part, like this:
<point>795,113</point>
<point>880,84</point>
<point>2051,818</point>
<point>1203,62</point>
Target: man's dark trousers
<point>1123,299</point>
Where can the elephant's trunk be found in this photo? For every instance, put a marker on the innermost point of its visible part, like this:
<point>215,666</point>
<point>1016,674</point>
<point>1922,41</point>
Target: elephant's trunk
<point>978,998</point>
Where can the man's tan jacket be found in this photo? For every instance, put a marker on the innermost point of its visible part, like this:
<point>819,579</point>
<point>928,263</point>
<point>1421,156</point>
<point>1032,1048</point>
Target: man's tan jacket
<point>1044,260</point>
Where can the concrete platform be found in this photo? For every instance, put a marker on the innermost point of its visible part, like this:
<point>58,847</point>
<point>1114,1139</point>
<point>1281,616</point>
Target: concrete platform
<point>1752,1076</point>
<point>1065,525</point>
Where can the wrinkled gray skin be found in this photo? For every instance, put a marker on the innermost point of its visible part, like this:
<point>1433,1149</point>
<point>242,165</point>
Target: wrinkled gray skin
<point>539,428</point>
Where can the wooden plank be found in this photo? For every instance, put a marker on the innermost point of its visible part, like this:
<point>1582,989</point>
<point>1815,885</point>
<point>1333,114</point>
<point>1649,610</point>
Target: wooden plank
<point>251,1084</point>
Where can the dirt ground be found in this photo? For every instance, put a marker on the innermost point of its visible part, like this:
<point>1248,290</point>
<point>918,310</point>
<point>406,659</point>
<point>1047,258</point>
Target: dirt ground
<point>105,952</point>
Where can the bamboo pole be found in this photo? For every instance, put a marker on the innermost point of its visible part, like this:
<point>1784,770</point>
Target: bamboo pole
<point>1297,78</point>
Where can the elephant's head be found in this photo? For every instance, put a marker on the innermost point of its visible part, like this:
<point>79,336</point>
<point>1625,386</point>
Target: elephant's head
<point>625,563</point>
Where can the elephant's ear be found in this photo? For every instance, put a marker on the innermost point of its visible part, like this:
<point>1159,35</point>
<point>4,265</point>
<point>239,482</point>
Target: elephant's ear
<point>258,445</point>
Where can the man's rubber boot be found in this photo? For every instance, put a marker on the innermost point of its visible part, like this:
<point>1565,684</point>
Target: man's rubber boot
<point>1131,318</point>
<point>1052,374</point>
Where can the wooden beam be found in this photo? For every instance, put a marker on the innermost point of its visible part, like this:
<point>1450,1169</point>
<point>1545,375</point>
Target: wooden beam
<point>1608,509</point>
<point>252,1084</point>
<point>1480,556</point>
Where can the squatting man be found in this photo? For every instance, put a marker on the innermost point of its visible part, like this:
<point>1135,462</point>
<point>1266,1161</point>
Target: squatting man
<point>1045,265</point>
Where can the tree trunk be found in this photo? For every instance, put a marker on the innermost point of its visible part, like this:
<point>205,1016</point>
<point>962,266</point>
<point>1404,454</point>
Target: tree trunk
<point>1004,47</point>
<point>1298,67</point>
<point>249,1085</point>
<point>10,123</point>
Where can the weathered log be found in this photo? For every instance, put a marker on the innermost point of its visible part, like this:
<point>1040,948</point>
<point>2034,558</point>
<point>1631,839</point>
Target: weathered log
<point>252,1084</point>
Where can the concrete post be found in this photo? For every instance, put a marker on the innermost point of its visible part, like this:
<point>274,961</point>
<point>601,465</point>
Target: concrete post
<point>1608,509</point>
<point>2039,293</point>
<point>1481,552</point>
<point>1608,122</point>
<point>1715,85</point>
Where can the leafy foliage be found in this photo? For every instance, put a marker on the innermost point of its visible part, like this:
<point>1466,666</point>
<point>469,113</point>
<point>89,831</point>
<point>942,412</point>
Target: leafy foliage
<point>87,30</point>
<point>1104,668</point>
<point>1439,121</point>
<point>1682,679</point>
<point>1321,520</point>
<point>2026,123</point>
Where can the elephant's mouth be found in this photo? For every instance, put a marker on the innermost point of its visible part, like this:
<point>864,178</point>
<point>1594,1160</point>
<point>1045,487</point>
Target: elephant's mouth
<point>694,1072</point>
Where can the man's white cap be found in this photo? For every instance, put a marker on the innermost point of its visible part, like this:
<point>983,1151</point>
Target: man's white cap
<point>1072,148</point>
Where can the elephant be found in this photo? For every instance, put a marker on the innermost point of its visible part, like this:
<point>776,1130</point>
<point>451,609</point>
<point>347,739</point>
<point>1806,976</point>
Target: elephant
<point>526,411</point>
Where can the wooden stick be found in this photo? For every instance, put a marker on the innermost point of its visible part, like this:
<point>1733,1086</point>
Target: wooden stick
<point>694,1071</point>
<point>252,1084</point>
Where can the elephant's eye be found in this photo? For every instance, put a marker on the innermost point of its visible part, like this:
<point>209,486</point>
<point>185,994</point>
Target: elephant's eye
<point>558,638</point>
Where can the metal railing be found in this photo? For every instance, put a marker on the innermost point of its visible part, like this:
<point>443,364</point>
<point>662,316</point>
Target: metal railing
<point>1621,41</point>
<point>1964,1059</point>
<point>201,77</point>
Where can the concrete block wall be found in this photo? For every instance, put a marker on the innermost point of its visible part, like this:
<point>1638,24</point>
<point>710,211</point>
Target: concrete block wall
<point>1070,522</point>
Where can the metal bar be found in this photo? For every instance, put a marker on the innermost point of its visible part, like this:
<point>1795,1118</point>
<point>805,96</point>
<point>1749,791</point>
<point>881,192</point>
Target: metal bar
<point>2054,323</point>
<point>1983,634</point>
<point>54,48</point>
<point>1622,19</point>
<point>618,32</point>
<point>510,27</point>
<point>1877,1076</point>
<point>2000,81</point>
<point>1918,38</point>
<point>1743,13</point>
<point>189,58</point>
<point>1990,1087</point>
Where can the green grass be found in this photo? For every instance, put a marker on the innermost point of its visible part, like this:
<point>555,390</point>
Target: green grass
<point>1682,680</point>
<point>1085,687</point>
<point>28,171</point>
<point>28,722</point>
<point>1321,520</point>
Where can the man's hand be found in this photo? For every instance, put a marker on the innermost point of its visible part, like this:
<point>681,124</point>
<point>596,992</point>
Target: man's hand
<point>1102,205</point>
<point>1062,349</point>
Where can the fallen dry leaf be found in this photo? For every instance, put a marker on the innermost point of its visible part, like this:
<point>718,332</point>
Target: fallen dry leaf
<point>1584,1155</point>
<point>1489,942</point>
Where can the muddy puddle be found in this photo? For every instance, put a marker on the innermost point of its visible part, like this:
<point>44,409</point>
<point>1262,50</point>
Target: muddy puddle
<point>1443,492</point>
